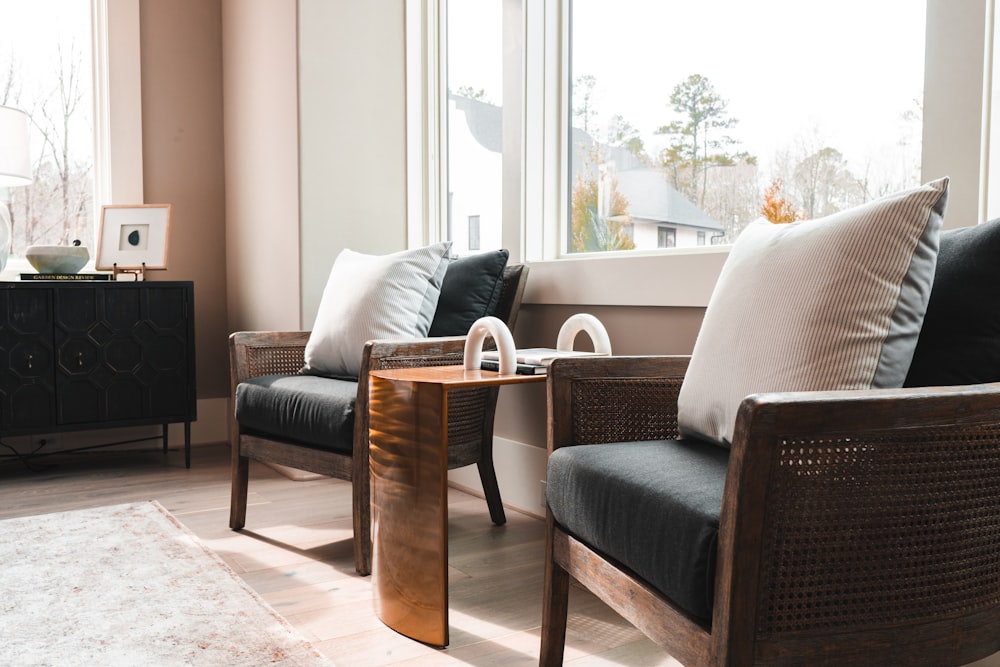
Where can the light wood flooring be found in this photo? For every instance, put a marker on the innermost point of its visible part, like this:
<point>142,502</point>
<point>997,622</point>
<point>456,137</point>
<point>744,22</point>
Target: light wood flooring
<point>297,553</point>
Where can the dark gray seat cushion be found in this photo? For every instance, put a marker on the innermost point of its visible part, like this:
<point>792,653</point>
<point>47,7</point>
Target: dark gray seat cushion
<point>309,409</point>
<point>651,506</point>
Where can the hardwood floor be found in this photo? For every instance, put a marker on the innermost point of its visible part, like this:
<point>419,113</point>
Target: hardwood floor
<point>297,553</point>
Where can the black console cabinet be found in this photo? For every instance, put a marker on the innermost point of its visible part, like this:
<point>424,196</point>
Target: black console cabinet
<point>96,354</point>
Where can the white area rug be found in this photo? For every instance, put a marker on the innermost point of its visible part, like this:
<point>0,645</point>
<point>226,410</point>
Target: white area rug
<point>129,585</point>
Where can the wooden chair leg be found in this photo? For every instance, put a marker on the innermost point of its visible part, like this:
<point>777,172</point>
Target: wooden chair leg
<point>555,605</point>
<point>488,477</point>
<point>362,513</point>
<point>238,498</point>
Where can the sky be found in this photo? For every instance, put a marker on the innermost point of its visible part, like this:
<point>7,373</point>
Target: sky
<point>839,73</point>
<point>31,34</point>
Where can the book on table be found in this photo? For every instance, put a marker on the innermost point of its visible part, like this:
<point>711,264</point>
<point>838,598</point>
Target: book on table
<point>520,369</point>
<point>65,276</point>
<point>539,356</point>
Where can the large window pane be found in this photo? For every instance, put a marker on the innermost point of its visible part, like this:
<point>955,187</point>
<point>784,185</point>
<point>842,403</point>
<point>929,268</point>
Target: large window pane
<point>691,119</point>
<point>46,70</point>
<point>475,124</point>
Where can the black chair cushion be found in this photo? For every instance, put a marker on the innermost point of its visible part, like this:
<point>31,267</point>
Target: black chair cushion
<point>651,506</point>
<point>308,409</point>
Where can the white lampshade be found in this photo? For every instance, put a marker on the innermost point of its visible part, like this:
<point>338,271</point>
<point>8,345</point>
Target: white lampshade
<point>15,157</point>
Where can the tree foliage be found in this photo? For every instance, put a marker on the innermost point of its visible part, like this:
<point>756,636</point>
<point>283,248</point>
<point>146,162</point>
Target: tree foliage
<point>57,207</point>
<point>698,140</point>
<point>776,207</point>
<point>478,94</point>
<point>622,133</point>
<point>599,215</point>
<point>583,101</point>
<point>824,184</point>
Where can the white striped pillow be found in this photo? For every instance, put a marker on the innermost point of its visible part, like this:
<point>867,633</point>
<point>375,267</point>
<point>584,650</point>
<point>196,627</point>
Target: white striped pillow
<point>833,303</point>
<point>373,296</point>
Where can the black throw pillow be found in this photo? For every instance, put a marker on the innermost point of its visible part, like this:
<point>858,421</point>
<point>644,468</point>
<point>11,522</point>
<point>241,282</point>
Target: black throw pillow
<point>960,339</point>
<point>471,289</point>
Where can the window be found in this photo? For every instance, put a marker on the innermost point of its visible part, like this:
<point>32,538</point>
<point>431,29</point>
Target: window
<point>666,237</point>
<point>49,39</point>
<point>881,101</point>
<point>475,130</point>
<point>473,232</point>
<point>47,73</point>
<point>697,128</point>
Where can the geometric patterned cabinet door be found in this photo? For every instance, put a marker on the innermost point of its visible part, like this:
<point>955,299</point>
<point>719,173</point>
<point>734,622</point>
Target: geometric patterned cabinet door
<point>96,354</point>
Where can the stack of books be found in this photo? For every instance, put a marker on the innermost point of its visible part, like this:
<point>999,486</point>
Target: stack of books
<point>533,360</point>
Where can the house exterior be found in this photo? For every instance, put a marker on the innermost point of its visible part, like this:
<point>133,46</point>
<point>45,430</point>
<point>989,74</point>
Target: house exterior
<point>659,215</point>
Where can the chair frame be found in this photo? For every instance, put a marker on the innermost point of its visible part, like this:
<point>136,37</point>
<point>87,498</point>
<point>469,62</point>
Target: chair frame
<point>791,455</point>
<point>256,353</point>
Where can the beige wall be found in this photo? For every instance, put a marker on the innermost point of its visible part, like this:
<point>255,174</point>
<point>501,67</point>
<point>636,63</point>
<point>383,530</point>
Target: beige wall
<point>181,65</point>
<point>261,164</point>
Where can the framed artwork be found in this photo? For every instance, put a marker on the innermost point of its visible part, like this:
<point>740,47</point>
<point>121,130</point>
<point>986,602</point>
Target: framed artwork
<point>133,237</point>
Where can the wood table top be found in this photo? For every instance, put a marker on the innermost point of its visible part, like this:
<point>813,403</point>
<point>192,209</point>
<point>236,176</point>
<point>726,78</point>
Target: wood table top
<point>455,376</point>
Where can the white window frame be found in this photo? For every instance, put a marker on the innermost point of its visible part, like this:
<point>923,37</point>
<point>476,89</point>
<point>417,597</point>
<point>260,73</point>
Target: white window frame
<point>117,103</point>
<point>957,92</point>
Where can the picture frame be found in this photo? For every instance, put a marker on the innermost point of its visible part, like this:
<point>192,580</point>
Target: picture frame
<point>133,237</point>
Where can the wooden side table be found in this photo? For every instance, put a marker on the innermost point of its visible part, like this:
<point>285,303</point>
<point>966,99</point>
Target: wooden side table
<point>408,431</point>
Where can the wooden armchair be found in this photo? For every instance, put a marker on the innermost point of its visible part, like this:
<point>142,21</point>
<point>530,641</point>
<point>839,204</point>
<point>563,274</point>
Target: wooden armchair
<point>471,414</point>
<point>856,527</point>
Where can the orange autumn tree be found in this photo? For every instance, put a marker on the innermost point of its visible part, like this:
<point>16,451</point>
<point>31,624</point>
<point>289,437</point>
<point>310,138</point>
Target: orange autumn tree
<point>776,207</point>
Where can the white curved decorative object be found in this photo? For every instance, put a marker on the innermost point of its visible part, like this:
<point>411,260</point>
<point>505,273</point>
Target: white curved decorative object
<point>584,322</point>
<point>495,327</point>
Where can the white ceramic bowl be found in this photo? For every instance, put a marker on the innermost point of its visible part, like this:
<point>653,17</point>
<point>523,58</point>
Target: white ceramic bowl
<point>57,258</point>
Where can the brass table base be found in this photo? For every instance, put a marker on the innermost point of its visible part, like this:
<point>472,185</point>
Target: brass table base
<point>408,431</point>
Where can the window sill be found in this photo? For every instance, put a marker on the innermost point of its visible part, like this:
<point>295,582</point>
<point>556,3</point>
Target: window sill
<point>677,278</point>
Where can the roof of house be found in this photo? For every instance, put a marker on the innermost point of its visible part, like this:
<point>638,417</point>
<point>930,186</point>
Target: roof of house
<point>484,120</point>
<point>652,199</point>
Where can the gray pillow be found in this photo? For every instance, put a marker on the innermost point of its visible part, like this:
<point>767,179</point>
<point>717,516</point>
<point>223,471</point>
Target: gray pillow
<point>373,296</point>
<point>833,303</point>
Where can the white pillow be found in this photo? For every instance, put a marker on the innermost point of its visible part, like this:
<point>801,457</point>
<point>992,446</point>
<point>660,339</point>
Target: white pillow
<point>373,296</point>
<point>833,303</point>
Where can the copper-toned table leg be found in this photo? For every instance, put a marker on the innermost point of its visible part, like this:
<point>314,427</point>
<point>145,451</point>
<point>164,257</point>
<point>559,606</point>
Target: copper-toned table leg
<point>409,474</point>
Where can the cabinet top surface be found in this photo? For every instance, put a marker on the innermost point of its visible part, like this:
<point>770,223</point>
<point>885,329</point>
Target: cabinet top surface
<point>454,376</point>
<point>41,284</point>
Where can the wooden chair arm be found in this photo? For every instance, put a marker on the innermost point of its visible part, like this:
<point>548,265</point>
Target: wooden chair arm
<point>255,353</point>
<point>440,351</point>
<point>874,505</point>
<point>613,399</point>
